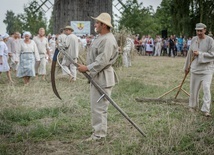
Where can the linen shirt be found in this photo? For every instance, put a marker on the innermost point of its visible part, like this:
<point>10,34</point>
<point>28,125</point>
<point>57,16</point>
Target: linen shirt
<point>10,45</point>
<point>204,62</point>
<point>61,39</point>
<point>101,55</point>
<point>25,48</point>
<point>71,42</point>
<point>17,46</point>
<point>42,44</point>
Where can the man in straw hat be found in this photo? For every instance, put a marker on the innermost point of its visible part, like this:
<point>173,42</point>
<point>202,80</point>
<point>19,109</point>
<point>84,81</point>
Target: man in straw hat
<point>202,68</point>
<point>101,55</point>
<point>71,42</point>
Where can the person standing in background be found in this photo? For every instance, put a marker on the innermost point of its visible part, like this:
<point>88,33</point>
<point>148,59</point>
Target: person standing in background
<point>44,53</point>
<point>201,58</point>
<point>27,54</point>
<point>72,45</point>
<point>4,66</point>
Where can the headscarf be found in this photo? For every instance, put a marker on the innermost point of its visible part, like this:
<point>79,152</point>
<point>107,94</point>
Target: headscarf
<point>26,33</point>
<point>5,36</point>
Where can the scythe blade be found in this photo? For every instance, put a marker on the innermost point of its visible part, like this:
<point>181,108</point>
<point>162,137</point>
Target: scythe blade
<point>53,67</point>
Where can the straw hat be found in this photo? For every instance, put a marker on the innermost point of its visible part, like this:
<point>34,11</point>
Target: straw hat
<point>69,27</point>
<point>104,18</point>
<point>200,26</point>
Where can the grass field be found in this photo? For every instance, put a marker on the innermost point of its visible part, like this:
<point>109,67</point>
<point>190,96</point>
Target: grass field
<point>33,121</point>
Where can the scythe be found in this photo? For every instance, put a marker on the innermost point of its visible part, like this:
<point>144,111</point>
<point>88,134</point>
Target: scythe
<point>101,91</point>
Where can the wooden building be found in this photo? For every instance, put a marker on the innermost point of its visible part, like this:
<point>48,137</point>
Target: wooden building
<point>66,11</point>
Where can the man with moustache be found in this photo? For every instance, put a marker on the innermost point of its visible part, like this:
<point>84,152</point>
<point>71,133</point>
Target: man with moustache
<point>102,54</point>
<point>201,68</point>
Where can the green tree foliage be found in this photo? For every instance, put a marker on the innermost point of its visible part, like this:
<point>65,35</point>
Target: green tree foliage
<point>51,23</point>
<point>163,16</point>
<point>185,14</point>
<point>33,18</point>
<point>13,22</point>
<point>177,16</point>
<point>137,18</point>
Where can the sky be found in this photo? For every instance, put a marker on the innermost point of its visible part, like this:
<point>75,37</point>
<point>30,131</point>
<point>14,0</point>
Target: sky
<point>17,6</point>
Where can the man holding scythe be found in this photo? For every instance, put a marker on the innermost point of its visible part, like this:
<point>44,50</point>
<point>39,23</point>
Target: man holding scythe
<point>101,55</point>
<point>202,68</point>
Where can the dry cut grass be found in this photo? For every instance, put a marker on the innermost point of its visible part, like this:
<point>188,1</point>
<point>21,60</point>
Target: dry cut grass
<point>34,121</point>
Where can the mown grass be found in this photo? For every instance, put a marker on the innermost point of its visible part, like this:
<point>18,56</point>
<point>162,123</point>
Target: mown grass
<point>34,121</point>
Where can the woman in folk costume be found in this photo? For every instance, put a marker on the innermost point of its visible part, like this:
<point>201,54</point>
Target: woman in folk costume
<point>158,46</point>
<point>149,45</point>
<point>4,66</point>
<point>27,54</point>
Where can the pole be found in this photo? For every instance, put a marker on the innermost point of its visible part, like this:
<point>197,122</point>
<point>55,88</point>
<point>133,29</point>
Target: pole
<point>184,78</point>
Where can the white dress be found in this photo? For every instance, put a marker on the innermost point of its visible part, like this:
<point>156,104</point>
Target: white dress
<point>4,67</point>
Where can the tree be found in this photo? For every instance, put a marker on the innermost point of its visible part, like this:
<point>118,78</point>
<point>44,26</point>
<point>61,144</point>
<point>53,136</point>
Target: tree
<point>51,23</point>
<point>33,20</point>
<point>13,22</point>
<point>137,18</point>
<point>163,16</point>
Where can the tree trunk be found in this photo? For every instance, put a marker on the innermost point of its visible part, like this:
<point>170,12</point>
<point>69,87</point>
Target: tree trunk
<point>66,11</point>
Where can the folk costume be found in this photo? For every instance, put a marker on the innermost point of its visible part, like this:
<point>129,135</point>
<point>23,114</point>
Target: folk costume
<point>71,42</point>
<point>202,69</point>
<point>129,46</point>
<point>11,52</point>
<point>15,58</point>
<point>28,54</point>
<point>4,66</point>
<point>52,44</point>
<point>101,55</point>
<point>43,46</point>
<point>158,46</point>
<point>149,46</point>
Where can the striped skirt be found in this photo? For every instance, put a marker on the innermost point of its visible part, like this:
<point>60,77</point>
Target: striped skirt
<point>26,65</point>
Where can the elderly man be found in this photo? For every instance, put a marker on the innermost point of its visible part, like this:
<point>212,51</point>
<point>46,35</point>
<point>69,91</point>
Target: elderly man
<point>101,55</point>
<point>72,45</point>
<point>44,52</point>
<point>201,54</point>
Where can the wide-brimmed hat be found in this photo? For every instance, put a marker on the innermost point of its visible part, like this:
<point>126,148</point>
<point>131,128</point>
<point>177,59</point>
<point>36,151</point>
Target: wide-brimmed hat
<point>69,27</point>
<point>104,18</point>
<point>200,26</point>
